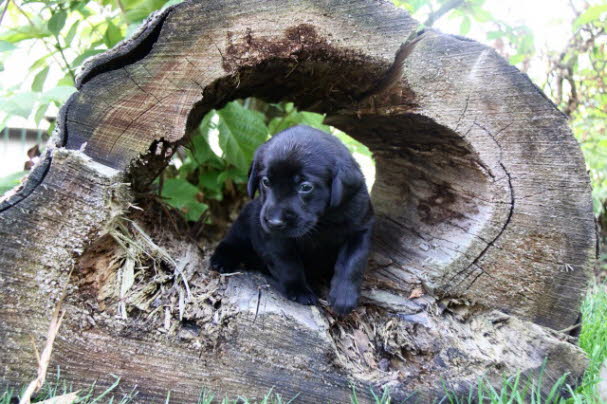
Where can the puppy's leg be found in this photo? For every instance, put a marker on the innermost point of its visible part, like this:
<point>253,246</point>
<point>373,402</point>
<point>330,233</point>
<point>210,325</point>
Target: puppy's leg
<point>349,269</point>
<point>229,254</point>
<point>236,247</point>
<point>287,269</point>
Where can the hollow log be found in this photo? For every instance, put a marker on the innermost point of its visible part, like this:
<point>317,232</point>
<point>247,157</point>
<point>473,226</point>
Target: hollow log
<point>482,250</point>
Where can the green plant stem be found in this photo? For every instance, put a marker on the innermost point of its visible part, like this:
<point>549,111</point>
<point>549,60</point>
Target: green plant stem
<point>67,64</point>
<point>121,6</point>
<point>445,8</point>
<point>29,20</point>
<point>4,11</point>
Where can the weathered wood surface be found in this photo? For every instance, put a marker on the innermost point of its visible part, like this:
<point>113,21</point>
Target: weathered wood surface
<point>481,193</point>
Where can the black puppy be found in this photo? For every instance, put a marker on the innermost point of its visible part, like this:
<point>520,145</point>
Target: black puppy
<point>313,217</point>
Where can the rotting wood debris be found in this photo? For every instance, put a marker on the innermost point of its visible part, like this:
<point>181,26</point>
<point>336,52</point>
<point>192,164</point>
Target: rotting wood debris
<point>142,278</point>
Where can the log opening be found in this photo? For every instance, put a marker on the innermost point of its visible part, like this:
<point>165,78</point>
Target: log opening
<point>483,247</point>
<point>433,194</point>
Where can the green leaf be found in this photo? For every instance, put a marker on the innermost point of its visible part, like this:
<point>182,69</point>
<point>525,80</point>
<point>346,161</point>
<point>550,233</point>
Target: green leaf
<point>295,118</point>
<point>10,181</point>
<point>97,43</point>
<point>232,174</point>
<point>57,21</point>
<point>491,35</point>
<point>84,11</point>
<point>182,195</point>
<point>39,79</point>
<point>280,123</point>
<point>19,104</point>
<point>464,27</point>
<point>112,35</point>
<point>516,59</point>
<point>66,80</point>
<point>136,15</point>
<point>527,43</point>
<point>71,33</point>
<point>40,63</point>
<point>137,11</point>
<point>314,120</point>
<point>403,4</point>
<point>76,5</point>
<point>39,115</point>
<point>131,4</point>
<point>209,180</point>
<point>59,94</point>
<point>51,126</point>
<point>241,131</point>
<point>481,15</point>
<point>591,14</point>
<point>23,33</point>
<point>6,46</point>
<point>201,151</point>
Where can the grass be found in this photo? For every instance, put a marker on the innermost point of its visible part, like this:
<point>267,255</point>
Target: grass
<point>383,399</point>
<point>109,396</point>
<point>513,390</point>
<point>593,338</point>
<point>60,388</point>
<point>270,398</point>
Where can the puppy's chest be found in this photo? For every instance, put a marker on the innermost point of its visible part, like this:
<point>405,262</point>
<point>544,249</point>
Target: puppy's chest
<point>325,240</point>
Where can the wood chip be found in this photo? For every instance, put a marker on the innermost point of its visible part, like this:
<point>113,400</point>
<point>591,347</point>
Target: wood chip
<point>361,340</point>
<point>63,399</point>
<point>417,292</point>
<point>45,357</point>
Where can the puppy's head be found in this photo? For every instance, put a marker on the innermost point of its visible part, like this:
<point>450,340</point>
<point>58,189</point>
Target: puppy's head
<point>301,173</point>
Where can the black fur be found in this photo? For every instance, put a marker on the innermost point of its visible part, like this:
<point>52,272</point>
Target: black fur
<point>313,217</point>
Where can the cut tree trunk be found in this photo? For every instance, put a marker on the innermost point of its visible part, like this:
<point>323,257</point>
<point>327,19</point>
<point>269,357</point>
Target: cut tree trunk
<point>483,247</point>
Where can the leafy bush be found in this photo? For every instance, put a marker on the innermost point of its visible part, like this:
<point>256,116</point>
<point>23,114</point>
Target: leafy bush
<point>61,34</point>
<point>204,173</point>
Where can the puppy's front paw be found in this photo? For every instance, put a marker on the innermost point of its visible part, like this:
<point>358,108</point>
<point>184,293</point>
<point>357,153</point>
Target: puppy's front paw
<point>305,297</point>
<point>224,260</point>
<point>301,294</point>
<point>343,297</point>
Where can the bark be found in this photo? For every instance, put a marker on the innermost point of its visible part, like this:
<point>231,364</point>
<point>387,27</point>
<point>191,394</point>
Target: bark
<point>483,248</point>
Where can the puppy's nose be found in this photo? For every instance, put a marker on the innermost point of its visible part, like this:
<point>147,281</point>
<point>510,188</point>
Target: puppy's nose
<point>275,223</point>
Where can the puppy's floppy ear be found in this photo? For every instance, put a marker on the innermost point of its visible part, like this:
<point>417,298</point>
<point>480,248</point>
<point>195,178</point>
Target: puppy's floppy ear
<point>254,173</point>
<point>346,179</point>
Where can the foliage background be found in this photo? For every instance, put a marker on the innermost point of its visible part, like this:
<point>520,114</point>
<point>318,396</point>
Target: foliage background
<point>43,43</point>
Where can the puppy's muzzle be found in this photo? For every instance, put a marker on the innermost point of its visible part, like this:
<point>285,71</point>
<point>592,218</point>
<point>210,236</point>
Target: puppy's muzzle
<point>274,224</point>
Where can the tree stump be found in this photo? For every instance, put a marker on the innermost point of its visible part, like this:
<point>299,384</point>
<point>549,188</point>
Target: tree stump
<point>483,247</point>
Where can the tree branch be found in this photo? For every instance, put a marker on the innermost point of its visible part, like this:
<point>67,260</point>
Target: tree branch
<point>4,10</point>
<point>29,20</point>
<point>448,6</point>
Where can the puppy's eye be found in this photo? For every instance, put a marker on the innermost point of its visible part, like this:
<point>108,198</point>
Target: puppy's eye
<point>265,181</point>
<point>305,187</point>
